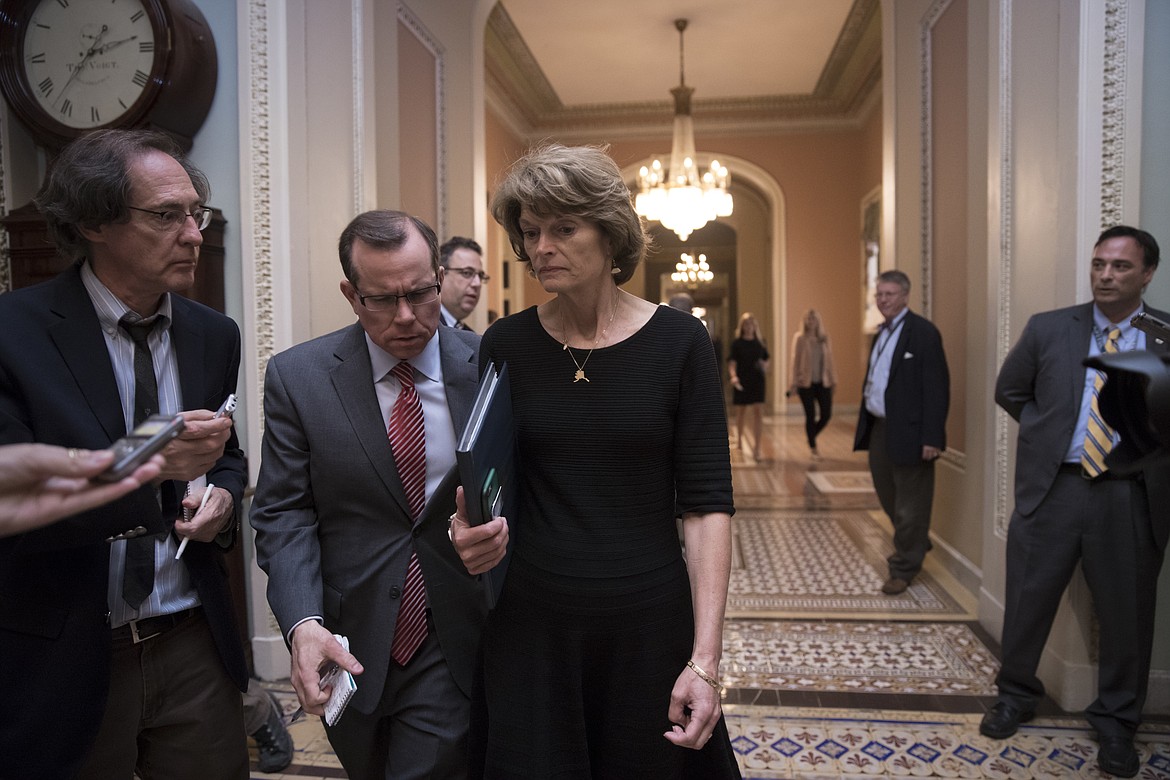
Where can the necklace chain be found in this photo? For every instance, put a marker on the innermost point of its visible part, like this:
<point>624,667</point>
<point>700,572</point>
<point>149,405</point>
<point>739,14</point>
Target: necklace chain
<point>565,341</point>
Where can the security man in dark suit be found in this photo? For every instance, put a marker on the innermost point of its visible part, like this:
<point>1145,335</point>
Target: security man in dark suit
<point>117,658</point>
<point>1071,507</point>
<point>903,423</point>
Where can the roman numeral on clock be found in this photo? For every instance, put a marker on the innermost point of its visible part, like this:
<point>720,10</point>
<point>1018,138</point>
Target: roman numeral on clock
<point>140,78</point>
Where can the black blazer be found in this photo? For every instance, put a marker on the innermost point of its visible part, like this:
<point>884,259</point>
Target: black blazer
<point>917,395</point>
<point>57,386</point>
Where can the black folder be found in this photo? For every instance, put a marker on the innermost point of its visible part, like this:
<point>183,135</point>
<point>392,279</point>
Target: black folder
<point>486,455</point>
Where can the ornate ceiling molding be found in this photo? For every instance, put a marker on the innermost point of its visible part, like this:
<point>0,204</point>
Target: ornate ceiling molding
<point>519,90</point>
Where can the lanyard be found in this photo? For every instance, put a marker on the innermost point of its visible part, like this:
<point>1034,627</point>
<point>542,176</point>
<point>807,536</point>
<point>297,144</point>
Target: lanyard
<point>891,336</point>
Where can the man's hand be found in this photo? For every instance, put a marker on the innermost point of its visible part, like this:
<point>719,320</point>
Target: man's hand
<point>313,650</point>
<point>213,518</point>
<point>198,447</point>
<point>480,547</point>
<point>930,453</point>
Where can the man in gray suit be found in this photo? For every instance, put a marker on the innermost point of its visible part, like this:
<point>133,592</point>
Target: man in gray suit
<point>1067,510</point>
<point>341,530</point>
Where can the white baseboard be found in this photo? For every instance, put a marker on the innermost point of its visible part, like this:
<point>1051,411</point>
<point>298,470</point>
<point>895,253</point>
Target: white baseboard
<point>270,657</point>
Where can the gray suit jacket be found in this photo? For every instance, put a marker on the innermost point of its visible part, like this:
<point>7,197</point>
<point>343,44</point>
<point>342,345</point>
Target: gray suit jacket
<point>1040,385</point>
<point>333,526</point>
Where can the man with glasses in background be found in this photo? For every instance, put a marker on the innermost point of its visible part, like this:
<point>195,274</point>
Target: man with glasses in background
<point>462,278</point>
<point>357,483</point>
<point>118,658</point>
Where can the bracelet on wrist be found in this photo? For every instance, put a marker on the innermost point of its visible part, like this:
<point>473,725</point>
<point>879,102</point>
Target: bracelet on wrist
<point>694,667</point>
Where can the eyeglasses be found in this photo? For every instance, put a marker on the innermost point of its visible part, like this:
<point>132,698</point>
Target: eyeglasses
<point>419,297</point>
<point>172,219</point>
<point>470,273</point>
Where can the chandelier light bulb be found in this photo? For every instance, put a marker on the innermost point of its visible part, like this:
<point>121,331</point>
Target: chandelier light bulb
<point>681,198</point>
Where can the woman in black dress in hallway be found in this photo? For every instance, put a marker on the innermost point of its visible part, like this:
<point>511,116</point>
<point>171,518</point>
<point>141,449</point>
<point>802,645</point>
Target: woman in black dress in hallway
<point>813,376</point>
<point>747,367</point>
<point>601,658</point>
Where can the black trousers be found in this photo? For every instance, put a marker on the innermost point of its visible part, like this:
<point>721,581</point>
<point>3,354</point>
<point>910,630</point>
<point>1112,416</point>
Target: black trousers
<point>906,494</point>
<point>812,397</point>
<point>1105,526</point>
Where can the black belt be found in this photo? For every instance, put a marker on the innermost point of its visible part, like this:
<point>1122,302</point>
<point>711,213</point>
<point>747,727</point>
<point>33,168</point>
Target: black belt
<point>1104,476</point>
<point>147,628</point>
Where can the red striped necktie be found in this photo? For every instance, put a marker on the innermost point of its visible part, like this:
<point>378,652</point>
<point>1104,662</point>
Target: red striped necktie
<point>408,443</point>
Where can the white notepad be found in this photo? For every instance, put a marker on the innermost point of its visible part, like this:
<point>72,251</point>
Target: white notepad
<point>343,687</point>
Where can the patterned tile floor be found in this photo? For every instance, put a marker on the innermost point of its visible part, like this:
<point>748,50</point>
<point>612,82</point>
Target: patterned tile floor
<point>828,679</point>
<point>859,743</point>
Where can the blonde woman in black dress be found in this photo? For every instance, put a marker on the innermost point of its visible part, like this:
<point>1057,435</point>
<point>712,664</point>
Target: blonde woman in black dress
<point>747,368</point>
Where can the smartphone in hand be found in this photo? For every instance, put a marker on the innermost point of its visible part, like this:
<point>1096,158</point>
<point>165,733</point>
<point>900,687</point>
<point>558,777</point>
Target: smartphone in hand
<point>140,444</point>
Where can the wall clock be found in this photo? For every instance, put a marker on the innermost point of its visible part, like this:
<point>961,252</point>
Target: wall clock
<point>70,66</point>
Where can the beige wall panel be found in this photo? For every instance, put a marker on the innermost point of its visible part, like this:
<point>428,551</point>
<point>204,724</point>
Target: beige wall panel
<point>418,126</point>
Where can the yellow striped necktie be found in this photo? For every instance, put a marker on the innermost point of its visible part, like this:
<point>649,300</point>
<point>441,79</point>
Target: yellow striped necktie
<point>1098,435</point>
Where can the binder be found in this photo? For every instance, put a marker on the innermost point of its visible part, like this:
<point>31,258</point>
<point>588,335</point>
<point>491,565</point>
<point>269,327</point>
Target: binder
<point>486,456</point>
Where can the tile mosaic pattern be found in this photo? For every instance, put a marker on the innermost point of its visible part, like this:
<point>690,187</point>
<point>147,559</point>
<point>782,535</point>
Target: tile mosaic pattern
<point>789,563</point>
<point>816,743</point>
<point>841,481</point>
<point>760,482</point>
<point>870,657</point>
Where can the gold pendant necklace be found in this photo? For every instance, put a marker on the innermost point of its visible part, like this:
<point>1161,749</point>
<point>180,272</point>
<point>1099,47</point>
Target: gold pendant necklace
<point>577,377</point>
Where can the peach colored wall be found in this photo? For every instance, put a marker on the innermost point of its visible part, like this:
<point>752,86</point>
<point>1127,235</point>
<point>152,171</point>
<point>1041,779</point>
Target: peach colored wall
<point>949,180</point>
<point>501,148</point>
<point>418,151</point>
<point>824,177</point>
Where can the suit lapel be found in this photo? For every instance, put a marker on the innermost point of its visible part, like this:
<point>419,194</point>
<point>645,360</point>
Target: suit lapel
<point>353,382</point>
<point>189,348</point>
<point>78,337</point>
<point>901,344</point>
<point>460,372</point>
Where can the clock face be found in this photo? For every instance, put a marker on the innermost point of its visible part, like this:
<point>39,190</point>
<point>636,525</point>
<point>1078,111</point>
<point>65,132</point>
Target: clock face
<point>88,62</point>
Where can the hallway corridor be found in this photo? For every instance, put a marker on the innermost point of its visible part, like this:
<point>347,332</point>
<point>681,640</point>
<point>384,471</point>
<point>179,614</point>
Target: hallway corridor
<point>826,676</point>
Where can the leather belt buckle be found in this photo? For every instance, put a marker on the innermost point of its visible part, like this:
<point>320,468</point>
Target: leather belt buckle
<point>135,636</point>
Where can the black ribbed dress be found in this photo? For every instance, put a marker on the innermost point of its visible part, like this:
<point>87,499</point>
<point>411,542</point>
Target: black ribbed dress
<point>595,622</point>
<point>747,354</point>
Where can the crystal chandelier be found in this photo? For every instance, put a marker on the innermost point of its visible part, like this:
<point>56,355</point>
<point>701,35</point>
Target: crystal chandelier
<point>692,272</point>
<point>679,197</point>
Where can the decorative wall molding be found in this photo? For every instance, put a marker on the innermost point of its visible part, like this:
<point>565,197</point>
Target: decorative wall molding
<point>415,25</point>
<point>357,69</point>
<point>1113,105</point>
<point>925,129</point>
<point>1003,320</point>
<point>259,194</point>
